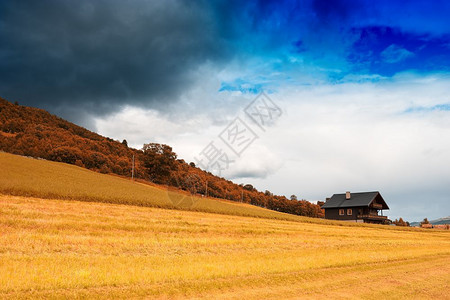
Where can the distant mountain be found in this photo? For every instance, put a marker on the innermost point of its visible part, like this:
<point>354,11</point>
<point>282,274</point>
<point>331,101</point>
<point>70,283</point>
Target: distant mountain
<point>445,220</point>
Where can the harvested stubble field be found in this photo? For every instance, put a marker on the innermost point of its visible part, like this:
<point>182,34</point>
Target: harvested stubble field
<point>54,248</point>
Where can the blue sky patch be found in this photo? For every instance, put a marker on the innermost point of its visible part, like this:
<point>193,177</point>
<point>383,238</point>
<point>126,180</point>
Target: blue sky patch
<point>437,107</point>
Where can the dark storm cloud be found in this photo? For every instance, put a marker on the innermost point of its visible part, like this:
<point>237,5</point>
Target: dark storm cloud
<point>95,55</point>
<point>82,58</point>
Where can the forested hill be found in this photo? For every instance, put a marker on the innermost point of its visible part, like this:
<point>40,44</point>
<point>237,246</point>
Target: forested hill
<point>35,132</point>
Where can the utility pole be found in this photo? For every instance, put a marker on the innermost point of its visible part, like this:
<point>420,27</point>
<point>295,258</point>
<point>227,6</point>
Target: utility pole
<point>132,169</point>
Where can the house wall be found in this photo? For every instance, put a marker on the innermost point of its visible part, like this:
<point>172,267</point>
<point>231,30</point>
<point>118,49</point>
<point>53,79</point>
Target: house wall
<point>333,214</point>
<point>378,200</point>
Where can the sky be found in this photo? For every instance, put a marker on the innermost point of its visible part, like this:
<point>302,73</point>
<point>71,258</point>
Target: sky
<point>358,91</point>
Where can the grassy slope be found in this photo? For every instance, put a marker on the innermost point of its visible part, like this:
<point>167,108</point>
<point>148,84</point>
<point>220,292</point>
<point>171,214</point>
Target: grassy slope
<point>24,176</point>
<point>40,178</point>
<point>61,249</point>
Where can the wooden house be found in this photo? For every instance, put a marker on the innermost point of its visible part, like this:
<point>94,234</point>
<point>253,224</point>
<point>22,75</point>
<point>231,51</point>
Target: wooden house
<point>357,207</point>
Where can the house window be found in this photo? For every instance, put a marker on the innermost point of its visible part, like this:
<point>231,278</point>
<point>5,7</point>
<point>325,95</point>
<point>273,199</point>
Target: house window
<point>349,212</point>
<point>341,212</point>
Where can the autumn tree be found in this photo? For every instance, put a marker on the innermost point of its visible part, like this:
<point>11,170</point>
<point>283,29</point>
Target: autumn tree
<point>159,161</point>
<point>248,187</point>
<point>192,183</point>
<point>400,222</point>
<point>65,154</point>
<point>425,221</point>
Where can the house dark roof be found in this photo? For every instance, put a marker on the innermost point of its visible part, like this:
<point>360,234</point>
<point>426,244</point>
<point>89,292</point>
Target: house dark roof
<point>356,200</point>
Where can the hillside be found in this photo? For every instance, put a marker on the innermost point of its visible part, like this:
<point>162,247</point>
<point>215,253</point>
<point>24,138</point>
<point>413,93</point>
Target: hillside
<point>29,177</point>
<point>34,132</point>
<point>40,178</point>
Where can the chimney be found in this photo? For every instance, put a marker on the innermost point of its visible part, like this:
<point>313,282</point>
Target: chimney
<point>347,195</point>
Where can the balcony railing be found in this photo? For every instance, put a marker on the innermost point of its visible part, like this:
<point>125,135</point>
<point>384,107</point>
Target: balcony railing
<point>377,206</point>
<point>372,216</point>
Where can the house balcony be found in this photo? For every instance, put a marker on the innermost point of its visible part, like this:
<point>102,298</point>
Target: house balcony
<point>372,217</point>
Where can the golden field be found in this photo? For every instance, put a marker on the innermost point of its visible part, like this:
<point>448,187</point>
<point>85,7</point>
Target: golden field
<point>101,248</point>
<point>60,249</point>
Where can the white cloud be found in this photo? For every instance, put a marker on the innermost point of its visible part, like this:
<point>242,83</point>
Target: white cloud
<point>331,138</point>
<point>258,161</point>
<point>395,53</point>
<point>139,126</point>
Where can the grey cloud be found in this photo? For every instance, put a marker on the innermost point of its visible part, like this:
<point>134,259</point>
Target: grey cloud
<point>249,174</point>
<point>94,56</point>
